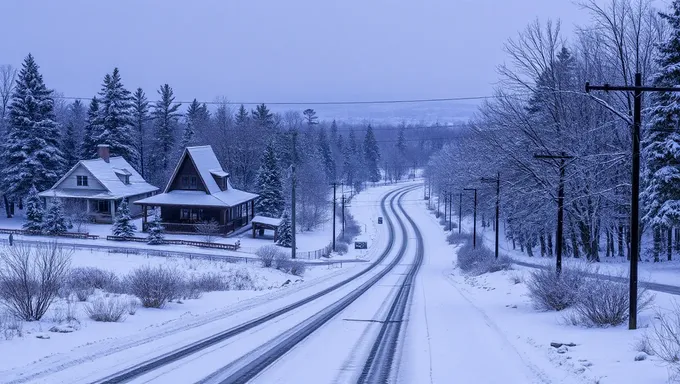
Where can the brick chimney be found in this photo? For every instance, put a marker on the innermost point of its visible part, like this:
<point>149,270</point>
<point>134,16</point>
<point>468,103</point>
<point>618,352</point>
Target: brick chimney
<point>103,151</point>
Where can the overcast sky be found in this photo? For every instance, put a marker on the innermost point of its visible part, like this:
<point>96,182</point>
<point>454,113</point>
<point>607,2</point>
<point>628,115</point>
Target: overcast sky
<point>274,50</point>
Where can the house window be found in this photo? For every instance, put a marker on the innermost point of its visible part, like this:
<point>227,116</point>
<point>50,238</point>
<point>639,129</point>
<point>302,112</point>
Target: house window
<point>192,184</point>
<point>185,182</point>
<point>103,206</point>
<point>189,182</point>
<point>126,179</point>
<point>81,181</point>
<point>185,214</point>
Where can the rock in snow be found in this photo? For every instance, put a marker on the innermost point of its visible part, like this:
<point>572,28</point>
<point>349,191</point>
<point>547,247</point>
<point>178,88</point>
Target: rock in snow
<point>641,356</point>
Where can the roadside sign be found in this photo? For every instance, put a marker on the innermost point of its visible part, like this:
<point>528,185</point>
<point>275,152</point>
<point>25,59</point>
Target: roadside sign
<point>360,245</point>
<point>380,220</point>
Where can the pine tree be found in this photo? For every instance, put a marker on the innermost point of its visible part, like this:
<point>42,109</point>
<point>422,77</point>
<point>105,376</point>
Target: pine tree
<point>326,155</point>
<point>350,163</point>
<point>269,185</point>
<point>285,234</point>
<point>55,222</point>
<point>193,117</point>
<point>262,117</point>
<point>34,212</point>
<point>116,115</point>
<point>155,231</point>
<point>77,116</point>
<point>661,147</point>
<point>310,117</point>
<point>140,116</point>
<point>165,117</point>
<point>92,132</point>
<point>122,223</point>
<point>242,117</point>
<point>31,154</point>
<point>69,147</point>
<point>371,155</point>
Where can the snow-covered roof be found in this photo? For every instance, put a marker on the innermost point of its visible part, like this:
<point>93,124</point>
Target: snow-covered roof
<point>206,162</point>
<point>226,199</point>
<point>267,220</point>
<point>219,173</point>
<point>78,193</point>
<point>107,174</point>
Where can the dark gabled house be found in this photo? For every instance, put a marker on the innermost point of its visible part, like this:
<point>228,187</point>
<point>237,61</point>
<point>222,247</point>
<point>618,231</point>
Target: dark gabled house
<point>199,190</point>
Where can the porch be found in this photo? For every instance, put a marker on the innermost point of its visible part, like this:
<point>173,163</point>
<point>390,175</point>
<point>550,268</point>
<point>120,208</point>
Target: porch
<point>185,218</point>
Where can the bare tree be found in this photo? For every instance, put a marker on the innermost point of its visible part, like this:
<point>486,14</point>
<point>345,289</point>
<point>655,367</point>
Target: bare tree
<point>8,76</point>
<point>31,277</point>
<point>209,229</point>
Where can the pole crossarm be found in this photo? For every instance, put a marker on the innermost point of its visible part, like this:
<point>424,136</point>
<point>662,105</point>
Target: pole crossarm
<point>608,87</point>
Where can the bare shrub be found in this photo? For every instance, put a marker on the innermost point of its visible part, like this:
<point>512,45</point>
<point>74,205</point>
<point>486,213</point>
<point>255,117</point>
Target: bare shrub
<point>283,262</point>
<point>644,344</point>
<point>481,260</point>
<point>550,291</point>
<point>32,277</point>
<point>664,338</point>
<point>208,229</point>
<point>341,248</point>
<point>91,277</point>
<point>297,268</point>
<point>516,278</point>
<point>239,280</point>
<point>267,254</point>
<point>352,229</point>
<point>10,325</point>
<point>154,287</point>
<point>190,290</point>
<point>82,294</point>
<point>132,306</point>
<point>456,238</point>
<point>108,310</point>
<point>604,302</point>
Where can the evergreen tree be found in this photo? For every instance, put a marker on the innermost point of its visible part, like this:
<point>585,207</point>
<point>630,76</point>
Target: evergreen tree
<point>269,185</point>
<point>242,117</point>
<point>31,154</point>
<point>69,147</point>
<point>55,222</point>
<point>263,117</point>
<point>661,147</point>
<point>34,212</point>
<point>116,114</point>
<point>122,223</point>
<point>193,117</point>
<point>285,235</point>
<point>77,116</point>
<point>92,132</point>
<point>140,116</point>
<point>371,155</point>
<point>155,231</point>
<point>324,149</point>
<point>310,117</point>
<point>165,119</point>
<point>350,159</point>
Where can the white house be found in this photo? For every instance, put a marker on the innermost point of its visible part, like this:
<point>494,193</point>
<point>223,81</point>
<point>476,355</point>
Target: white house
<point>98,186</point>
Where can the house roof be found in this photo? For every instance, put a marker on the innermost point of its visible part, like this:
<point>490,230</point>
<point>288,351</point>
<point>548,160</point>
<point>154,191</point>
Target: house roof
<point>267,220</point>
<point>107,175</point>
<point>207,165</point>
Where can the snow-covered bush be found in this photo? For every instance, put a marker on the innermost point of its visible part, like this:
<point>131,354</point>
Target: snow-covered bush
<point>155,229</point>
<point>664,339</point>
<point>239,279</point>
<point>154,287</point>
<point>603,303</point>
<point>31,278</point>
<point>92,277</point>
<point>210,282</point>
<point>285,237</point>
<point>352,229</point>
<point>267,254</point>
<point>341,248</point>
<point>122,223</point>
<point>34,212</point>
<point>10,325</point>
<point>208,229</point>
<point>480,260</point>
<point>54,220</point>
<point>282,262</point>
<point>297,267</point>
<point>108,310</point>
<point>550,291</point>
<point>132,306</point>
<point>456,238</point>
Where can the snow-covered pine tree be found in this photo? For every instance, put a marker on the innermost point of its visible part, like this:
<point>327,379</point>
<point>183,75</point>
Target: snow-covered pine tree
<point>326,155</point>
<point>242,118</point>
<point>350,164</point>
<point>269,185</point>
<point>372,155</point>
<point>31,152</point>
<point>165,118</point>
<point>34,212</point>
<point>92,131</point>
<point>310,117</point>
<point>192,118</point>
<point>661,146</point>
<point>69,147</point>
<point>122,223</point>
<point>285,235</point>
<point>116,115</point>
<point>140,116</point>
<point>55,222</point>
<point>155,229</point>
<point>262,117</point>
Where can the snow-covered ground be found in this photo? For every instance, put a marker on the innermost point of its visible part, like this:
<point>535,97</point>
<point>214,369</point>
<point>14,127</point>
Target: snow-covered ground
<point>496,323</point>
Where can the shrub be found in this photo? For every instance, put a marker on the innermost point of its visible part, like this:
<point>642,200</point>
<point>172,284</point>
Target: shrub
<point>239,280</point>
<point>82,294</point>
<point>132,306</point>
<point>210,282</point>
<point>154,287</point>
<point>480,259</point>
<point>297,267</point>
<point>91,278</point>
<point>189,290</point>
<point>108,310</point>
<point>664,339</point>
<point>208,230</point>
<point>456,238</point>
<point>283,262</point>
<point>550,291</point>
<point>31,278</point>
<point>267,254</point>
<point>341,248</point>
<point>603,302</point>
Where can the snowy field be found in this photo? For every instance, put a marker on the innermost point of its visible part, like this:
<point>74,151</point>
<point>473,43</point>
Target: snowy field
<point>500,302</point>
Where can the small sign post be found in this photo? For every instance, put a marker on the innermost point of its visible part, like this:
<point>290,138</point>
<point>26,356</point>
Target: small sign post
<point>379,219</point>
<point>360,245</point>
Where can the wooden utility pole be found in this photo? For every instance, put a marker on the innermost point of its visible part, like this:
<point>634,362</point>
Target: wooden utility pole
<point>335,184</point>
<point>343,215</point>
<point>496,180</point>
<point>635,182</point>
<point>460,211</point>
<point>294,181</point>
<point>474,218</point>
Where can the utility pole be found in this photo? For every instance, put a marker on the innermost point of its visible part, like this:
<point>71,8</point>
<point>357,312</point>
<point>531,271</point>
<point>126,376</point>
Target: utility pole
<point>635,182</point>
<point>446,204</point>
<point>496,180</point>
<point>439,195</point>
<point>450,210</point>
<point>335,184</point>
<point>559,236</point>
<point>343,215</point>
<point>294,181</point>
<point>474,219</point>
<point>460,211</point>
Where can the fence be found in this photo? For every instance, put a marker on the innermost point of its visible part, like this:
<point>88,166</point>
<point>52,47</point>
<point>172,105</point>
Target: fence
<point>230,247</point>
<point>71,235</point>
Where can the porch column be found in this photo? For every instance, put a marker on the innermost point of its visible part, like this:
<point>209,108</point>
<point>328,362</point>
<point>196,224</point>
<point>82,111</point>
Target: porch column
<point>252,208</point>
<point>144,213</point>
<point>112,207</point>
<point>87,206</point>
